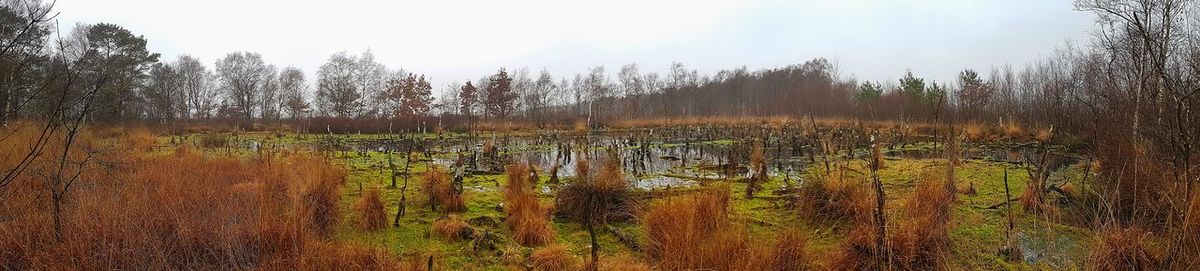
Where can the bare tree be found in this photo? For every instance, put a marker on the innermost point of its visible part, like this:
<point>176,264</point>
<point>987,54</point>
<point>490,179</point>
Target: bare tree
<point>199,87</point>
<point>632,88</point>
<point>337,93</point>
<point>599,93</point>
<point>244,76</point>
<point>370,78</point>
<point>448,102</point>
<point>538,99</point>
<point>522,86</point>
<point>292,88</point>
<point>163,92</point>
<point>1003,82</point>
<point>270,106</point>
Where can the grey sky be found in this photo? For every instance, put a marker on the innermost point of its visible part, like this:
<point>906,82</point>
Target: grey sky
<point>459,40</point>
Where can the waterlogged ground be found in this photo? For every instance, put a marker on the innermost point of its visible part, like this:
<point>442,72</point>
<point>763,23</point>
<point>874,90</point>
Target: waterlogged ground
<point>659,166</point>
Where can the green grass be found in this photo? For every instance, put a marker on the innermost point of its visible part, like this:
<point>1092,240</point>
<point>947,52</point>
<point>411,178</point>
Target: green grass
<point>977,233</point>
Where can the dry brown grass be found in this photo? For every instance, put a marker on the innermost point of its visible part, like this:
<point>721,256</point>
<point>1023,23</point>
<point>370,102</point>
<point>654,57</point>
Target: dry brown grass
<point>453,228</point>
<point>694,232</point>
<point>140,139</point>
<point>1137,185</point>
<point>975,132</point>
<point>186,211</point>
<point>834,198</point>
<point>582,167</point>
<point>775,121</point>
<point>920,242</point>
<point>318,201</point>
<point>518,188</point>
<point>591,200</point>
<point>438,189</point>
<point>1122,249</point>
<point>1012,130</point>
<point>758,169</point>
<point>371,216</point>
<point>790,252</point>
<point>527,218</point>
<point>622,262</point>
<point>1186,235</point>
<point>554,257</point>
<point>676,228</point>
<point>344,256</point>
<point>1044,134</point>
<point>1033,198</point>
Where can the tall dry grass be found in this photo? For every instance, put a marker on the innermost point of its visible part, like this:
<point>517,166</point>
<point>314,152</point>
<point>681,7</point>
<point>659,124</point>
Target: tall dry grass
<point>553,258</point>
<point>1123,249</point>
<point>371,216</point>
<point>594,199</point>
<point>695,232</point>
<point>834,198</point>
<point>440,191</point>
<point>453,228</point>
<point>186,211</point>
<point>527,218</point>
<point>920,242</point>
<point>591,200</point>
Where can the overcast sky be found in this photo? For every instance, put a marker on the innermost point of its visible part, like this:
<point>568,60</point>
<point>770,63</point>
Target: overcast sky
<point>460,40</point>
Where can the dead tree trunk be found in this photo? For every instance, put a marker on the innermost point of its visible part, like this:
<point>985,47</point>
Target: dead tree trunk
<point>882,253</point>
<point>392,166</point>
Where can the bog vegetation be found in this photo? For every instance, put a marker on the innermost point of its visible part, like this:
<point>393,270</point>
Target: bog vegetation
<point>114,159</point>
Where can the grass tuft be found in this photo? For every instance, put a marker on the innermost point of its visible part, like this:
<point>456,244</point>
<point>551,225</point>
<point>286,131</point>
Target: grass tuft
<point>554,257</point>
<point>371,216</point>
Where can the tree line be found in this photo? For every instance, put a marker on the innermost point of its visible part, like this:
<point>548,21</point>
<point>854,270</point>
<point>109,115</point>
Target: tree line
<point>1143,58</point>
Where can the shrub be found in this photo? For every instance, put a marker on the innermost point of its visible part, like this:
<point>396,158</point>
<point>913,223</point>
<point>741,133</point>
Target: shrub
<point>370,211</point>
<point>530,226</point>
